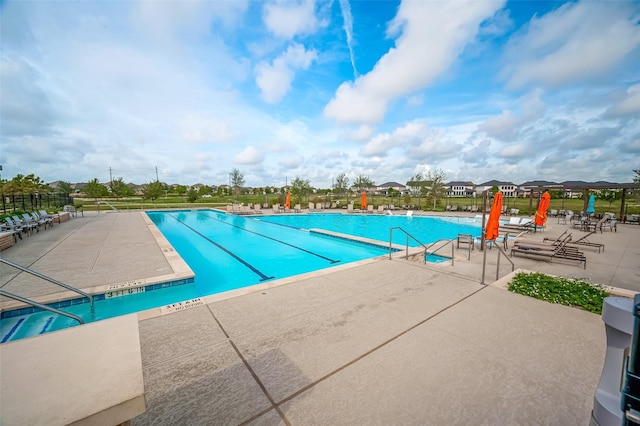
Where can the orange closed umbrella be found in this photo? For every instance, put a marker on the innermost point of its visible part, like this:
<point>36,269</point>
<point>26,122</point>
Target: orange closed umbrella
<point>287,203</point>
<point>541,214</point>
<point>364,200</point>
<point>493,223</point>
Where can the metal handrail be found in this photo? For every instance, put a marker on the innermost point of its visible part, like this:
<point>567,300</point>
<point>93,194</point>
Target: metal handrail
<point>107,203</point>
<point>40,305</point>
<point>51,280</point>
<point>406,256</point>
<point>441,247</point>
<point>484,262</point>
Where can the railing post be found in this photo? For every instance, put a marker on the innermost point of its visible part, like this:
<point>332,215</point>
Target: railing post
<point>406,248</point>
<point>498,265</point>
<point>390,241</point>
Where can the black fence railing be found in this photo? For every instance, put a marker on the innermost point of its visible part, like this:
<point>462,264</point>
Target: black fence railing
<point>37,201</point>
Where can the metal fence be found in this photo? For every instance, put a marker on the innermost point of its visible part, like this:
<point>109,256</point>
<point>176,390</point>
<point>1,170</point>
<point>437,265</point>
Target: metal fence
<point>37,201</point>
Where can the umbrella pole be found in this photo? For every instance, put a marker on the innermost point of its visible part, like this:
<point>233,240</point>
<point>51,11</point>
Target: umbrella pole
<point>482,247</point>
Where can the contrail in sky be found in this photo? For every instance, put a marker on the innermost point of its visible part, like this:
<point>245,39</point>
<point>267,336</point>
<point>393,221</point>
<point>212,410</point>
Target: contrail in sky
<point>345,7</point>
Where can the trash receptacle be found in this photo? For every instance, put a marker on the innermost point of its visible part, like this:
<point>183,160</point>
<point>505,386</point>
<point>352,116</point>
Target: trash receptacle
<point>618,317</point>
<point>630,399</point>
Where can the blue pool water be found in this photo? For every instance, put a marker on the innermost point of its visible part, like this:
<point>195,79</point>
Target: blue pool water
<point>224,251</point>
<point>426,229</point>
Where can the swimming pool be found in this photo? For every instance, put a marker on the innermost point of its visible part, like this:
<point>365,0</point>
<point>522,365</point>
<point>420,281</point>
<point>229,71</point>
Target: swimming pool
<point>427,229</point>
<point>224,251</point>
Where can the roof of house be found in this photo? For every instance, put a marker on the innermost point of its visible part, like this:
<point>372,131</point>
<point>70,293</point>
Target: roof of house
<point>390,184</point>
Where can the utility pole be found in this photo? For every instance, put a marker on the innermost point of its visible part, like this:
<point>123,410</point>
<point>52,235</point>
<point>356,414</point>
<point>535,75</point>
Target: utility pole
<point>157,180</point>
<point>110,177</point>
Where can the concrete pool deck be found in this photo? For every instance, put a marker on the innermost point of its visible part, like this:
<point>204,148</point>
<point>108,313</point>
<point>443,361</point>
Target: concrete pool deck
<point>382,341</point>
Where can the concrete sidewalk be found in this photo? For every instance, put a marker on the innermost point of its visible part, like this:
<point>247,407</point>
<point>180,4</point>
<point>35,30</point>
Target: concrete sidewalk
<point>376,342</point>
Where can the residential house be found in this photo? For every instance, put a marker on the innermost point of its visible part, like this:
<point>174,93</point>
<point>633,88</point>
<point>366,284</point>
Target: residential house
<point>384,188</point>
<point>508,189</point>
<point>460,189</point>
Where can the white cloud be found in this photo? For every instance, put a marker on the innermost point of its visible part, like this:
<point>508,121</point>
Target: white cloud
<point>292,161</point>
<point>274,80</point>
<point>167,19</point>
<point>507,123</point>
<point>411,133</point>
<point>249,155</point>
<point>347,19</point>
<point>577,41</point>
<point>287,19</point>
<point>362,133</point>
<point>627,105</point>
<point>430,36</point>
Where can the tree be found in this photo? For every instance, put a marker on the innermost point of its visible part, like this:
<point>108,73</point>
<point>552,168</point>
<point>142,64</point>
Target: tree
<point>153,190</point>
<point>237,180</point>
<point>204,190</point>
<point>363,183</point>
<point>300,188</point>
<point>24,184</point>
<point>192,195</point>
<point>435,185</point>
<point>341,184</point>
<point>636,178</point>
<point>416,185</point>
<point>181,190</point>
<point>608,195</point>
<point>120,189</point>
<point>94,189</point>
<point>65,187</point>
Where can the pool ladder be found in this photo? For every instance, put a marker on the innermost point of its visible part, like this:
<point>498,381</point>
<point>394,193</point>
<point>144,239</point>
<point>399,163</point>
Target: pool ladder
<point>51,280</point>
<point>426,248</point>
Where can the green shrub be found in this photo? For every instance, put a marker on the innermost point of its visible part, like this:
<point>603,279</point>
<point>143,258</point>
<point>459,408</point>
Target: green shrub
<point>564,291</point>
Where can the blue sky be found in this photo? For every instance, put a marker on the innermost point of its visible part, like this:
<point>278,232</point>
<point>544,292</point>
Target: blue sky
<point>482,90</point>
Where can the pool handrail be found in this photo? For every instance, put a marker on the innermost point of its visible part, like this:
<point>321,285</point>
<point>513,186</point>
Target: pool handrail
<point>40,305</point>
<point>484,263</point>
<point>44,277</point>
<point>406,256</point>
<point>441,247</point>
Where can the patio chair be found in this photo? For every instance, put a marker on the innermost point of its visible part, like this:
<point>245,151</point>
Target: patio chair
<point>27,226</point>
<point>370,208</point>
<point>276,208</point>
<point>312,206</point>
<point>350,208</point>
<point>297,208</point>
<point>15,229</point>
<point>565,218</point>
<point>584,242</point>
<point>380,210</point>
<point>611,226</point>
<point>36,219</point>
<point>550,252</point>
<point>562,237</point>
<point>46,216</point>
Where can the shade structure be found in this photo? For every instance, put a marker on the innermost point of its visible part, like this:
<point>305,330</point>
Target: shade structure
<point>364,200</point>
<point>541,214</point>
<point>591,209</point>
<point>493,223</point>
<point>287,203</point>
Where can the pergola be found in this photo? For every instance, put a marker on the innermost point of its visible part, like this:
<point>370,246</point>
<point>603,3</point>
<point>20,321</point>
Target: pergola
<point>586,188</point>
